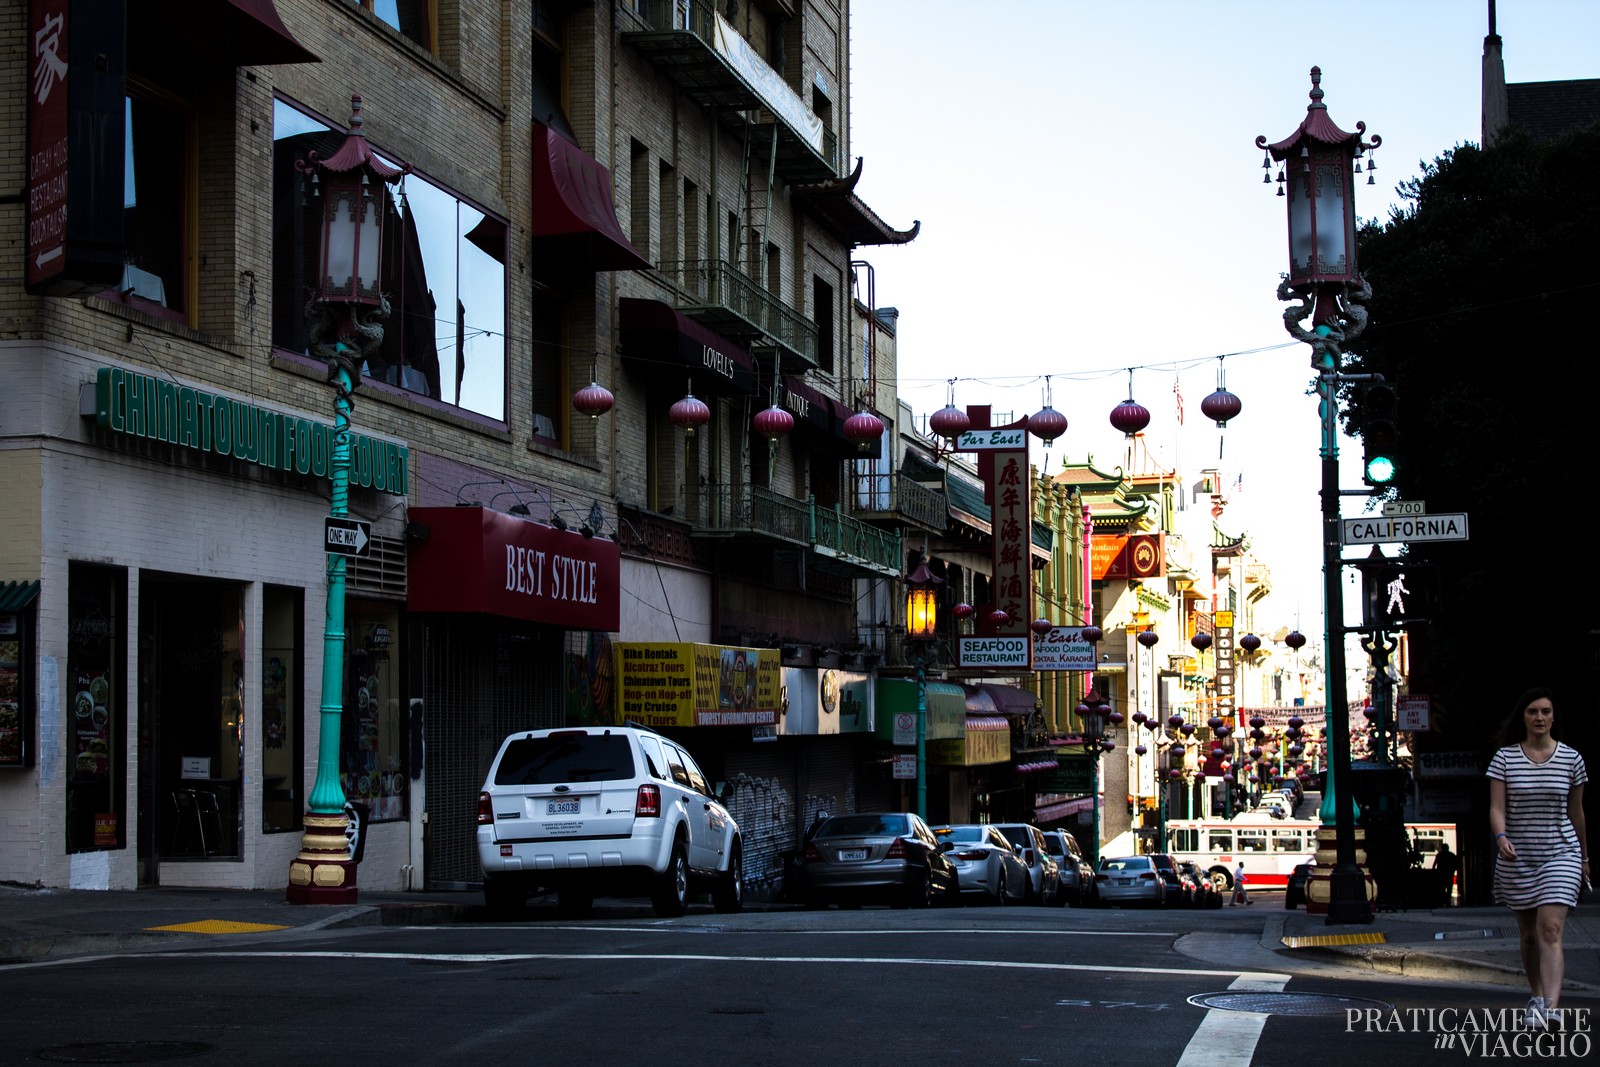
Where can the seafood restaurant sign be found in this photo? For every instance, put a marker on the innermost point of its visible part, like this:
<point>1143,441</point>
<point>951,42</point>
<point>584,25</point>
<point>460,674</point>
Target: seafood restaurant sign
<point>481,561</point>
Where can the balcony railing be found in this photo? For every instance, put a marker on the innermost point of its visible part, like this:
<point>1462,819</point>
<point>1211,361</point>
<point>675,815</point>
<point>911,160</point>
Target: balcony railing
<point>725,298</point>
<point>727,74</point>
<point>885,496</point>
<point>828,531</point>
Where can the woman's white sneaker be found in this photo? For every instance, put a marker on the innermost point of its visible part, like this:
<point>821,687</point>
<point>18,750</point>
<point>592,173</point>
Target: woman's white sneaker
<point>1533,1017</point>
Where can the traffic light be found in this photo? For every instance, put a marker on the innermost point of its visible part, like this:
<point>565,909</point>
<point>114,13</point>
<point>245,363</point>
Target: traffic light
<point>1380,433</point>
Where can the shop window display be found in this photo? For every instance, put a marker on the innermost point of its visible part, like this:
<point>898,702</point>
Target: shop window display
<point>96,727</point>
<point>372,749</point>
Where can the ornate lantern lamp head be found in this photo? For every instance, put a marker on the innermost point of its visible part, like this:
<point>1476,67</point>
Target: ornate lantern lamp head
<point>350,183</point>
<point>1316,164</point>
<point>921,601</point>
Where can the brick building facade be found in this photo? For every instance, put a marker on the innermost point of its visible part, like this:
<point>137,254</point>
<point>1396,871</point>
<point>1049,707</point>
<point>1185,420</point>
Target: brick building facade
<point>651,195</point>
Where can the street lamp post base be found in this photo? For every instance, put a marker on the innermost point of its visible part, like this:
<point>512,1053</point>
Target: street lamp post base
<point>1347,895</point>
<point>323,872</point>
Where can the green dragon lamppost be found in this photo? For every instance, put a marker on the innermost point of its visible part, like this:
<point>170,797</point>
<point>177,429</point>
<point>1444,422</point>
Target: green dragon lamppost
<point>1317,167</point>
<point>346,313</point>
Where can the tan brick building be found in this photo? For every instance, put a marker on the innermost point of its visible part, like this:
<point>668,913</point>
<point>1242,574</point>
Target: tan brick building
<point>655,196</point>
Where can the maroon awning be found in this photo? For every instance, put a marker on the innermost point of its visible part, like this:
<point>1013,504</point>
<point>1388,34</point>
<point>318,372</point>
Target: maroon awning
<point>244,33</point>
<point>483,562</point>
<point>811,407</point>
<point>572,210</point>
<point>668,345</point>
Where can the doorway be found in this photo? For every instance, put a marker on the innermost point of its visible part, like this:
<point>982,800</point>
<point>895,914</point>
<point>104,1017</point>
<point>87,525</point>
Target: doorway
<point>191,721</point>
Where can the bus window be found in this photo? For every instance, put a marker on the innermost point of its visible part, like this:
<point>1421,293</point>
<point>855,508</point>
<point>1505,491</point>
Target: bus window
<point>1252,840</point>
<point>1221,841</point>
<point>1288,841</point>
<point>1186,839</point>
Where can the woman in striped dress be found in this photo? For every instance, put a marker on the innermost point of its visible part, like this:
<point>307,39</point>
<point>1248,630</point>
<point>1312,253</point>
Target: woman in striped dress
<point>1541,844</point>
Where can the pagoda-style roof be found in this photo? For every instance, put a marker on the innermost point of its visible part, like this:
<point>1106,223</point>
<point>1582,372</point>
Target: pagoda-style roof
<point>835,202</point>
<point>1316,126</point>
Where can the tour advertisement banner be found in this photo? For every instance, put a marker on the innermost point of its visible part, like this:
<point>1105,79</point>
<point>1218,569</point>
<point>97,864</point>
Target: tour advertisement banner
<point>688,684</point>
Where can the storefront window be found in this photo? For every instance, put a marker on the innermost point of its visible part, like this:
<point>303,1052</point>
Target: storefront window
<point>282,709</point>
<point>372,744</point>
<point>96,729</point>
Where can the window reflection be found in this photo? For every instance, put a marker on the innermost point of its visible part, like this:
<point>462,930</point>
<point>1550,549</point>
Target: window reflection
<point>443,273</point>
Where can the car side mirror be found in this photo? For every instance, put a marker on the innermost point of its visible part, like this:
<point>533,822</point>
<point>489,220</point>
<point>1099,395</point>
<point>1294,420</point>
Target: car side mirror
<point>724,791</point>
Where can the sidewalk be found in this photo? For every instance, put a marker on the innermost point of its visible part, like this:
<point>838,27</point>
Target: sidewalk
<point>1447,944</point>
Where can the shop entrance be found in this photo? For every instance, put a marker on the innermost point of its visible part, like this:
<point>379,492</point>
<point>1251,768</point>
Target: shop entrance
<point>191,720</point>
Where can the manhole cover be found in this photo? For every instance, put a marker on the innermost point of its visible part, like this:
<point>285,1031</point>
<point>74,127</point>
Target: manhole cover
<point>125,1051</point>
<point>1269,1003</point>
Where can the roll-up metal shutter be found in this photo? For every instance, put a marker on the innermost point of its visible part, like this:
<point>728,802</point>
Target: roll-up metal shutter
<point>484,679</point>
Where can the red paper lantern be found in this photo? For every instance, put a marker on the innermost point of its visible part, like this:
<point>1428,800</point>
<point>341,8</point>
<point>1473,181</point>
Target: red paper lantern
<point>691,413</point>
<point>1221,406</point>
<point>1148,638</point>
<point>962,611</point>
<point>949,421</point>
<point>863,428</point>
<point>1048,424</point>
<point>593,400</point>
<point>1041,626</point>
<point>1130,416</point>
<point>774,423</point>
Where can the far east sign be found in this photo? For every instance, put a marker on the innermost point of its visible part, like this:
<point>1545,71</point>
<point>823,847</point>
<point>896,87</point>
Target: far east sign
<point>1373,530</point>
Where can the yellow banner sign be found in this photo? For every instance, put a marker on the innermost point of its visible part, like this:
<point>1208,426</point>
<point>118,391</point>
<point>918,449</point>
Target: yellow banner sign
<point>685,684</point>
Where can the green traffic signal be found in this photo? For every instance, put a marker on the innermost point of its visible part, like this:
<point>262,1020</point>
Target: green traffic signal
<point>1380,433</point>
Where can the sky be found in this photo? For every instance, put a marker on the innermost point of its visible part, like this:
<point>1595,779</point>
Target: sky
<point>1091,202</point>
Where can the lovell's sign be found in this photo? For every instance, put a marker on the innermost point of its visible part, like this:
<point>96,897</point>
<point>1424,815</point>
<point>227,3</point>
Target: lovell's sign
<point>487,562</point>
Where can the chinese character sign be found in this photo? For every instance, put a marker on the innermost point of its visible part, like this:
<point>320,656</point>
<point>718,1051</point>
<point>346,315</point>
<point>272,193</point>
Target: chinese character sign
<point>1012,541</point>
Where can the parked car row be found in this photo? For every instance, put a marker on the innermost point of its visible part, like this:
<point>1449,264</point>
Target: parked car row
<point>622,810</point>
<point>1156,879</point>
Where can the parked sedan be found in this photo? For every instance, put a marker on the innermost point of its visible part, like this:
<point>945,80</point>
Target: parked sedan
<point>985,862</point>
<point>890,857</point>
<point>1130,880</point>
<point>1077,875</point>
<point>1044,877</point>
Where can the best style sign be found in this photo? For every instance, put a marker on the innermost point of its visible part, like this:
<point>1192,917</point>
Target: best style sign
<point>478,560</point>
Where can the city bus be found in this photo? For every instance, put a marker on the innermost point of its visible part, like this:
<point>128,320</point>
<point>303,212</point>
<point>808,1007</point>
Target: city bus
<point>1271,848</point>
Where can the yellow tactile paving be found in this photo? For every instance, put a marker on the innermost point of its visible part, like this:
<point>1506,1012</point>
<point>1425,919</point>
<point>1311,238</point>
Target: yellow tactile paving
<point>1320,940</point>
<point>218,926</point>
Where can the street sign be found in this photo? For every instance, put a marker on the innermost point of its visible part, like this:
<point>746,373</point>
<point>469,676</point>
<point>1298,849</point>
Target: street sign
<point>1373,530</point>
<point>1405,507</point>
<point>347,537</point>
<point>1412,712</point>
<point>1012,437</point>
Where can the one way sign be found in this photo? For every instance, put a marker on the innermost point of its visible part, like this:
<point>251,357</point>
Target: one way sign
<point>347,537</point>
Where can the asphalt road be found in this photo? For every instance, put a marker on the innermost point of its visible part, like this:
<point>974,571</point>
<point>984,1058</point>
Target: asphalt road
<point>872,986</point>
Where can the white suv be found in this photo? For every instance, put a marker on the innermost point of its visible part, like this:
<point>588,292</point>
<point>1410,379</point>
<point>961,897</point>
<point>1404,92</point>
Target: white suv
<point>604,809</point>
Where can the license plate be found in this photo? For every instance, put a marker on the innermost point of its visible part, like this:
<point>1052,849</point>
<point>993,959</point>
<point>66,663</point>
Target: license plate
<point>852,854</point>
<point>1124,881</point>
<point>562,807</point>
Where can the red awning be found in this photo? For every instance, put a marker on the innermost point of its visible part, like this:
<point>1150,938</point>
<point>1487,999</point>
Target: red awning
<point>245,33</point>
<point>477,561</point>
<point>669,345</point>
<point>572,202</point>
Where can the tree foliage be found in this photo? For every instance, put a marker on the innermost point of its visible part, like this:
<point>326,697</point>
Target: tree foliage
<point>1480,288</point>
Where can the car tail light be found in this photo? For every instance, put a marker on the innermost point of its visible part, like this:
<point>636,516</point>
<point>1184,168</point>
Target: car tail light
<point>971,854</point>
<point>648,806</point>
<point>1148,876</point>
<point>811,855</point>
<point>485,810</point>
<point>1102,878</point>
<point>897,849</point>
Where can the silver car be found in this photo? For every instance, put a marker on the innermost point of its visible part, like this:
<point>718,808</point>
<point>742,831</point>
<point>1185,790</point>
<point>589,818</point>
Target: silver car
<point>1044,877</point>
<point>1077,875</point>
<point>985,862</point>
<point>1130,880</point>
